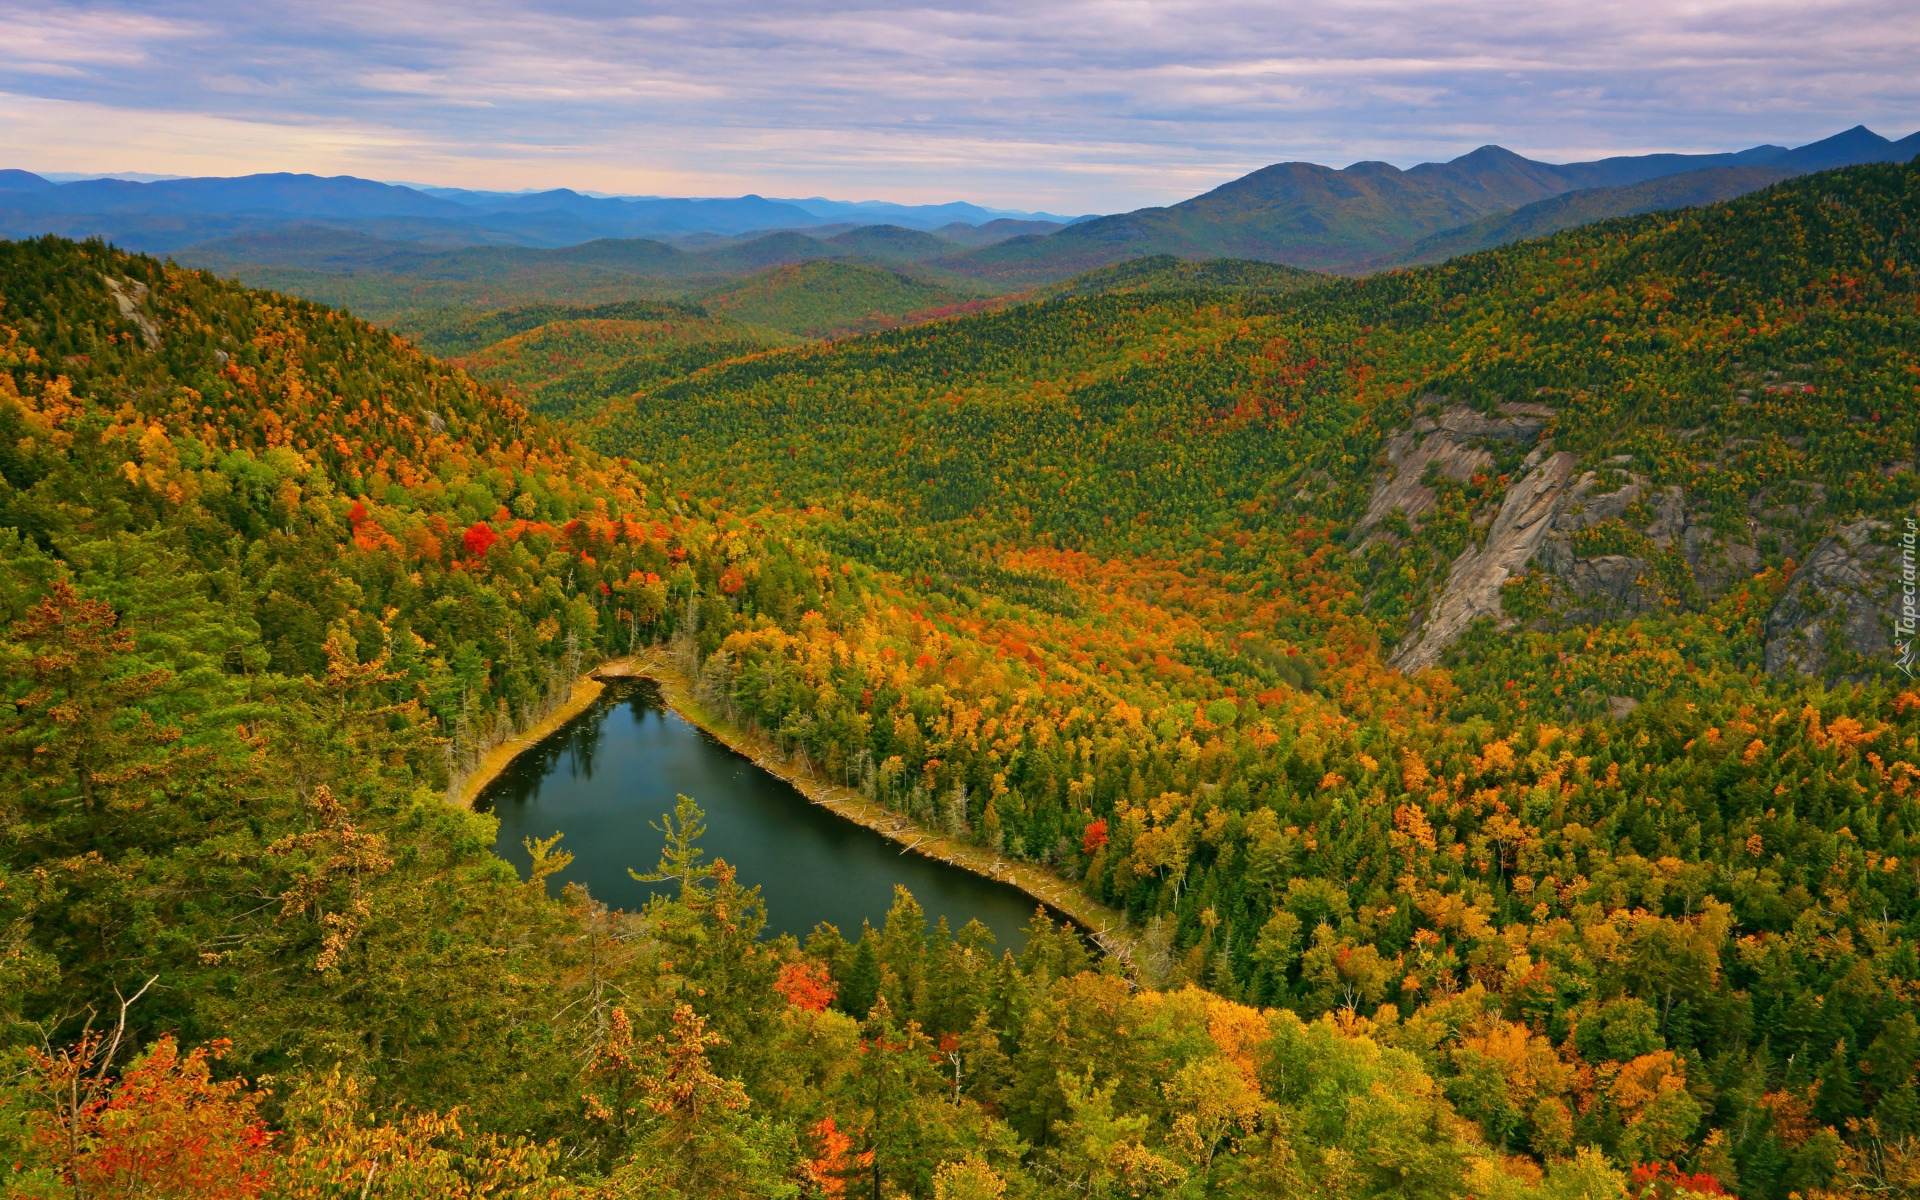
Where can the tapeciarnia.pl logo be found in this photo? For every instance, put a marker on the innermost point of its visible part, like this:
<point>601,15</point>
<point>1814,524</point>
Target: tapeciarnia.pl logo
<point>1905,620</point>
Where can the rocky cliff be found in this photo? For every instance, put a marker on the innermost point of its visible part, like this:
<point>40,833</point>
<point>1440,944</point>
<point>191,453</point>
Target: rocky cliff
<point>1607,543</point>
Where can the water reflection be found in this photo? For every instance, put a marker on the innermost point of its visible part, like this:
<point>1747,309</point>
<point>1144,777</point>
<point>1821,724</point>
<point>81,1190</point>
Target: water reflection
<point>617,767</point>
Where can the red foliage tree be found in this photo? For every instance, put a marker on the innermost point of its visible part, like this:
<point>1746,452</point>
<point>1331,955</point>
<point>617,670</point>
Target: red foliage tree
<point>1095,836</point>
<point>166,1127</point>
<point>806,985</point>
<point>1658,1181</point>
<point>478,539</point>
<point>833,1163</point>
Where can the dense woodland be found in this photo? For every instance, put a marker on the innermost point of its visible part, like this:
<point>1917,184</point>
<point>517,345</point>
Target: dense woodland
<point>1077,579</point>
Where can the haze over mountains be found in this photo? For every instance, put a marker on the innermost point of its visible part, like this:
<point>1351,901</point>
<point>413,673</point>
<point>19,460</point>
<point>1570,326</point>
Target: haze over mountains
<point>1371,213</point>
<point>165,215</point>
<point>1368,216</point>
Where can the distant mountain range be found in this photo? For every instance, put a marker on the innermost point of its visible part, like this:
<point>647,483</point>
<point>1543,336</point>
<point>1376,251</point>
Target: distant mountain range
<point>164,215</point>
<point>860,212</point>
<point>1688,189</point>
<point>339,251</point>
<point>1373,214</point>
<point>1368,216</point>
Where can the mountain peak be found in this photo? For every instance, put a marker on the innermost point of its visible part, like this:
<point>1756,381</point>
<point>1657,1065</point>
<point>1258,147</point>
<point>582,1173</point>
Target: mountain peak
<point>23,181</point>
<point>1859,135</point>
<point>1856,145</point>
<point>1491,153</point>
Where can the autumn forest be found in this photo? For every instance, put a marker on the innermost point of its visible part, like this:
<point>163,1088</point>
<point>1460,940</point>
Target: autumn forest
<point>1473,689</point>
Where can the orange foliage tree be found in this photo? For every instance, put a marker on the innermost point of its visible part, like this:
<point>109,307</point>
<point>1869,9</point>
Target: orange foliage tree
<point>164,1127</point>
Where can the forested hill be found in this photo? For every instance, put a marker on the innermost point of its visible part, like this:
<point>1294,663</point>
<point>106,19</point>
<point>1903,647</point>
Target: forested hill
<point>272,580</point>
<point>1371,214</point>
<point>1702,344</point>
<point>1633,486</point>
<point>1617,899</point>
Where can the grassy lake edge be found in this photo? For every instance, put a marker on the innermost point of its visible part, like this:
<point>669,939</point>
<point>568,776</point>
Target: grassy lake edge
<point>1107,927</point>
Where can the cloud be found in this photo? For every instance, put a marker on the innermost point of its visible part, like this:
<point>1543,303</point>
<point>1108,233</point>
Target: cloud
<point>1078,105</point>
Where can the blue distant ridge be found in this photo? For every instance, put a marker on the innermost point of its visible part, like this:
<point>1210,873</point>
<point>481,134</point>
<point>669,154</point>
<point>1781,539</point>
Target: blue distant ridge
<point>1236,219</point>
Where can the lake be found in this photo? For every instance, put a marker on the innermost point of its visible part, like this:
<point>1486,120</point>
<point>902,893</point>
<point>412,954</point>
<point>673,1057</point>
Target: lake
<point>605,776</point>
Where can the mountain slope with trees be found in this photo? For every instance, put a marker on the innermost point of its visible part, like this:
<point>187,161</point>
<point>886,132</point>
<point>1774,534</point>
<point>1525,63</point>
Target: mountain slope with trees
<point>1167,615</point>
<point>1688,189</point>
<point>828,299</point>
<point>1605,903</point>
<point>1373,213</point>
<point>273,579</point>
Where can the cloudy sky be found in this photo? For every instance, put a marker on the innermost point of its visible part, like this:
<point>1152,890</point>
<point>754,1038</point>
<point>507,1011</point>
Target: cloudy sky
<point>1071,106</point>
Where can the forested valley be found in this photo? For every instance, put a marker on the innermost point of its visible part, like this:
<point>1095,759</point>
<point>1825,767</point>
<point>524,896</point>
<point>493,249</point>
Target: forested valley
<point>1474,683</point>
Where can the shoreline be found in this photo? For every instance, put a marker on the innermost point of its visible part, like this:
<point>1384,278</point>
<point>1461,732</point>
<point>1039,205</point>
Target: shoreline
<point>586,690</point>
<point>1107,927</point>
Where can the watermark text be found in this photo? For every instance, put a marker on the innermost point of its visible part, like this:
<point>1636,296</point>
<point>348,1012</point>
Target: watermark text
<point>1906,658</point>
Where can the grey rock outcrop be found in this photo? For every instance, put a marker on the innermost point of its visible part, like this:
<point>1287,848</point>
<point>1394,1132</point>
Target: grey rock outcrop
<point>1607,585</point>
<point>1656,550</point>
<point>1474,582</point>
<point>1839,600</point>
<point>129,296</point>
<point>1449,442</point>
<point>1616,585</point>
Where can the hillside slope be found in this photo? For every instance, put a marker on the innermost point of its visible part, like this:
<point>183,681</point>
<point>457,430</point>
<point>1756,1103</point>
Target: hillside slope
<point>1688,189</point>
<point>1632,487</point>
<point>1028,351</point>
<point>1109,583</point>
<point>1316,217</point>
<point>564,366</point>
<point>1167,273</point>
<point>271,575</point>
<point>406,282</point>
<point>827,299</point>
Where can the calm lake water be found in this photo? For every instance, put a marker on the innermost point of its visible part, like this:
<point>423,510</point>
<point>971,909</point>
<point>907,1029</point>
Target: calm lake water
<point>617,767</point>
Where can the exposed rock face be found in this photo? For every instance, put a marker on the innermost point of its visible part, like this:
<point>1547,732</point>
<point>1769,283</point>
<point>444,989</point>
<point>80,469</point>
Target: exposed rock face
<point>1840,599</point>
<point>1473,585</point>
<point>129,295</point>
<point>1660,552</point>
<point>1609,586</point>
<point>1449,443</point>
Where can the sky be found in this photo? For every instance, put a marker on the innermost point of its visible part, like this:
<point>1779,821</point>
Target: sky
<point>1070,106</point>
